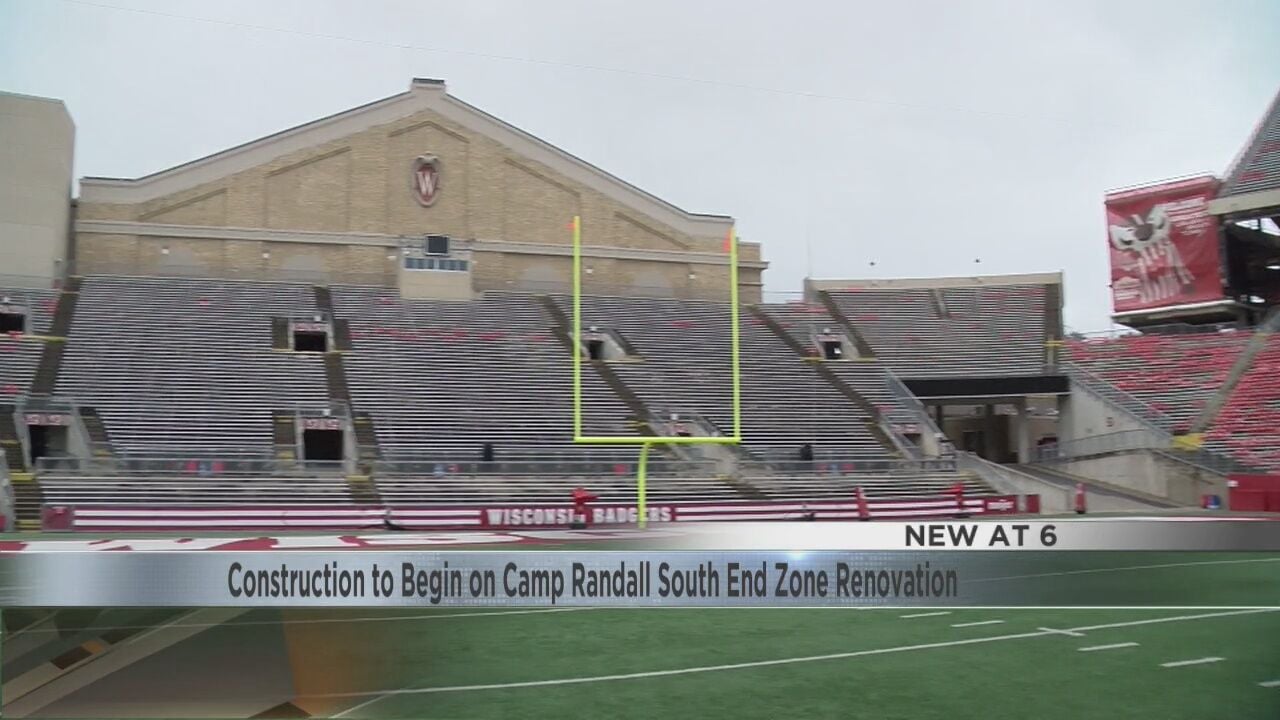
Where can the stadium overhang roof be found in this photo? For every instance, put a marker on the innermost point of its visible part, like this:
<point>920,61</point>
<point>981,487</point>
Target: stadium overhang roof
<point>1208,309</point>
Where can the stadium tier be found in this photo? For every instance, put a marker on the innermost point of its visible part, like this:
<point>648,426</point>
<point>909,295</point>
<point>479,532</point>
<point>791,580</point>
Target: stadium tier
<point>1173,376</point>
<point>441,379</point>
<point>31,312</point>
<point>681,364</point>
<point>979,331</point>
<point>186,367</point>
<point>1248,426</point>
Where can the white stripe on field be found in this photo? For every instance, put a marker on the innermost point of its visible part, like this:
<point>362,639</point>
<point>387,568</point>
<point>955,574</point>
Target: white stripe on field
<point>1269,683</point>
<point>928,614</point>
<point>1197,661</point>
<point>381,694</point>
<point>984,622</point>
<point>1068,633</point>
<point>1113,646</point>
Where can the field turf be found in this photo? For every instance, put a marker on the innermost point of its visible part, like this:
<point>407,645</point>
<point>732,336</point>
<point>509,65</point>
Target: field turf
<point>830,663</point>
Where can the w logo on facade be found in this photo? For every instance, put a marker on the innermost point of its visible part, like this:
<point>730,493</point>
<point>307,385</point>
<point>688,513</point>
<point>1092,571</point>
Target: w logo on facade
<point>426,179</point>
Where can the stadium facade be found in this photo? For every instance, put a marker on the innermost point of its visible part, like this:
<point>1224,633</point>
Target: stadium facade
<point>352,198</point>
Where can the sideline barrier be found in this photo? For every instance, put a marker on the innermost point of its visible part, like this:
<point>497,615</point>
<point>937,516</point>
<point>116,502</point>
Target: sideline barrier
<point>496,516</point>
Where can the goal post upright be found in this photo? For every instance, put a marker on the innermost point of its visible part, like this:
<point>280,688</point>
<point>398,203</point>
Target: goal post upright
<point>645,443</point>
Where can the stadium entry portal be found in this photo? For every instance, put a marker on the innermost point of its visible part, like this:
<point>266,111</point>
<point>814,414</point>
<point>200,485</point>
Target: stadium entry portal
<point>731,246</point>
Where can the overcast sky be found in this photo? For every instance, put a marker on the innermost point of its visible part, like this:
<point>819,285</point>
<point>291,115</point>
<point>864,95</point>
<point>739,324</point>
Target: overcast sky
<point>852,139</point>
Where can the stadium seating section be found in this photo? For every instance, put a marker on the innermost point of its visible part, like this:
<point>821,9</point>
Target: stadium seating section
<point>1248,426</point>
<point>186,366</point>
<point>988,331</point>
<point>442,378</point>
<point>19,352</point>
<point>1172,375</point>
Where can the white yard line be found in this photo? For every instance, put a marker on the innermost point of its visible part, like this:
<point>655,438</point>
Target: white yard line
<point>1068,633</point>
<point>1269,683</point>
<point>1197,661</point>
<point>382,694</point>
<point>979,622</point>
<point>1112,646</point>
<point>928,614</point>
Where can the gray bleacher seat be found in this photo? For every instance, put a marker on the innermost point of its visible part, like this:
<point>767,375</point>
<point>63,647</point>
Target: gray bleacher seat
<point>985,331</point>
<point>178,367</point>
<point>20,356</point>
<point>442,378</point>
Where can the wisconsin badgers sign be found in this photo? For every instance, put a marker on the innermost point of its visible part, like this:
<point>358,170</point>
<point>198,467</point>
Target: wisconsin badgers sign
<point>1164,245</point>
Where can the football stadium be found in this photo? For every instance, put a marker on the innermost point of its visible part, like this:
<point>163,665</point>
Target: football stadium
<point>402,326</point>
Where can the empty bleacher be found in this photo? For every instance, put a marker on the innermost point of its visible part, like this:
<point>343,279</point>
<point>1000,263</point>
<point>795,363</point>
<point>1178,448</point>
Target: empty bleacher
<point>19,354</point>
<point>179,367</point>
<point>1248,425</point>
<point>685,350</point>
<point>867,376</point>
<point>980,331</point>
<point>1171,375</point>
<point>191,490</point>
<point>442,378</point>
<point>180,490</point>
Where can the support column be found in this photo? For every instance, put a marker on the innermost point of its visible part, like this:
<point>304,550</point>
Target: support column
<point>991,433</point>
<point>1022,432</point>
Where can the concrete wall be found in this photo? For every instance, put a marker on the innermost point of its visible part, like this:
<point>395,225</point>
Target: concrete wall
<point>37,140</point>
<point>1082,414</point>
<point>1151,473</point>
<point>435,284</point>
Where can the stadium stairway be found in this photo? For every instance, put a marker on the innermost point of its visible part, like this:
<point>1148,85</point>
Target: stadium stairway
<point>280,333</point>
<point>55,339</point>
<point>850,330</point>
<point>367,448</point>
<point>832,379</point>
<point>1053,327</point>
<point>1239,369</point>
<point>1103,495</point>
<point>562,330</point>
<point>284,434</point>
<point>360,484</point>
<point>10,443</point>
<point>27,498</point>
<point>99,439</point>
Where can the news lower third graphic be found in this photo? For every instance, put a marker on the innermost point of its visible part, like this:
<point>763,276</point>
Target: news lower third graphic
<point>1061,619</point>
<point>958,564</point>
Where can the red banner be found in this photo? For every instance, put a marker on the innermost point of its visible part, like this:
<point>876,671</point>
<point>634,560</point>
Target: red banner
<point>1164,245</point>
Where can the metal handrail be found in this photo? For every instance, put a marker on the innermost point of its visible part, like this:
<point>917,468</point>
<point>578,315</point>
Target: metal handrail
<point>1133,406</point>
<point>206,467</point>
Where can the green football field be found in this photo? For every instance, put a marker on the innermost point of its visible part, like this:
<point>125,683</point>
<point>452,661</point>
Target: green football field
<point>830,663</point>
<point>873,663</point>
<point>1208,662</point>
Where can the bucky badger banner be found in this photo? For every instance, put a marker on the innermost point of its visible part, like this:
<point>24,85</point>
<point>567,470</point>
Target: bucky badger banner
<point>1164,245</point>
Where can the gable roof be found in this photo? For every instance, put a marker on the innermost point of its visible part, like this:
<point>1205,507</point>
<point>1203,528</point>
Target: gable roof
<point>423,94</point>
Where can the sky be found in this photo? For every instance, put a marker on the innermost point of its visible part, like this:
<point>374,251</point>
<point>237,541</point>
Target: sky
<point>918,138</point>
